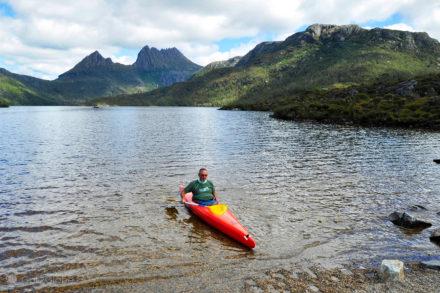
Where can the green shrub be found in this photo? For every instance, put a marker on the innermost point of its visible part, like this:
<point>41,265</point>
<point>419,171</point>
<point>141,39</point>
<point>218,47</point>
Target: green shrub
<point>4,102</point>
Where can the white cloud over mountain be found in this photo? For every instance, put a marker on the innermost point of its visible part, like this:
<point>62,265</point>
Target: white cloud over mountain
<point>47,37</point>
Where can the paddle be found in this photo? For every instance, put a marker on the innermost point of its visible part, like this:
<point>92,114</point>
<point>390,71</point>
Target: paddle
<point>190,203</point>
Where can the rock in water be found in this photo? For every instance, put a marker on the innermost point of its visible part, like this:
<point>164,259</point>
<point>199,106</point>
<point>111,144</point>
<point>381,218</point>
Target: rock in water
<point>407,221</point>
<point>431,264</point>
<point>435,236</point>
<point>392,270</point>
<point>417,207</point>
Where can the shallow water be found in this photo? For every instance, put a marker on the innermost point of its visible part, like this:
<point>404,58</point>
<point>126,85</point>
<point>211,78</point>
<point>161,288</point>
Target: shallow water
<point>88,197</point>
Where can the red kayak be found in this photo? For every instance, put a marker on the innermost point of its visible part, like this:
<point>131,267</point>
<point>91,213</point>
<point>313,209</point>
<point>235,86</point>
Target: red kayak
<point>219,217</point>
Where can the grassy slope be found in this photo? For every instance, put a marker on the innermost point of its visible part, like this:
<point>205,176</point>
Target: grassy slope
<point>350,65</point>
<point>17,93</point>
<point>222,86</point>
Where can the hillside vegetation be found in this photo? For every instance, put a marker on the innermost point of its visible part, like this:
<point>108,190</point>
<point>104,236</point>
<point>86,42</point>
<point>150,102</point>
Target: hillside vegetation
<point>411,103</point>
<point>307,69</point>
<point>18,92</point>
<point>322,57</point>
<point>4,103</point>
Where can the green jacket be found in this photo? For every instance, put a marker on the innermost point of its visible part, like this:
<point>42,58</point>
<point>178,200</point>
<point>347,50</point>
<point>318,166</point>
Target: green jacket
<point>201,190</point>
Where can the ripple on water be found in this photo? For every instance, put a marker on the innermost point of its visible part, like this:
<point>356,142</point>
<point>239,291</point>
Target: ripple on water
<point>98,204</point>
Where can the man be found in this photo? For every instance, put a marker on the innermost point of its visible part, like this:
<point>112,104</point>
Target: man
<point>203,190</point>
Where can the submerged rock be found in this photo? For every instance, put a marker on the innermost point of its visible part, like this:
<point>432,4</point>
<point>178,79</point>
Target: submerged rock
<point>407,221</point>
<point>417,207</point>
<point>431,264</point>
<point>392,269</point>
<point>435,236</point>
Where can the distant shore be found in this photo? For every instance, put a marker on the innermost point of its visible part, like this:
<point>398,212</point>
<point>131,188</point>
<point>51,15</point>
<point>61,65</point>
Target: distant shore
<point>4,103</point>
<point>411,103</point>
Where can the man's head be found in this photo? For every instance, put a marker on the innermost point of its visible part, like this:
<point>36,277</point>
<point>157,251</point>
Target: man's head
<point>203,174</point>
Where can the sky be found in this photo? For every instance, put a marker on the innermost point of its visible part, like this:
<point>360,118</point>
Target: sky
<point>44,38</point>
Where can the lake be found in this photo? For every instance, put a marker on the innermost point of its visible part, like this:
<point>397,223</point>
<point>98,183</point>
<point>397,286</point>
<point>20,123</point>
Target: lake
<point>88,197</point>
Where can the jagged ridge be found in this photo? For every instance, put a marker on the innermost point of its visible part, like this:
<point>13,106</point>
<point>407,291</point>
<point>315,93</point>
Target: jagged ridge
<point>322,34</point>
<point>151,59</point>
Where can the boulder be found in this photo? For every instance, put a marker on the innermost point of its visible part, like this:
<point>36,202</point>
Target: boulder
<point>353,92</point>
<point>435,236</point>
<point>392,270</point>
<point>407,221</point>
<point>407,88</point>
<point>431,264</point>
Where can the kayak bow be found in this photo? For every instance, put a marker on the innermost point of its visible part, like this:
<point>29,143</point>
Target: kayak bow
<point>219,217</point>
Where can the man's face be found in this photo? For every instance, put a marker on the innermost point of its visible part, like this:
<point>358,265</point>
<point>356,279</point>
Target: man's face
<point>203,175</point>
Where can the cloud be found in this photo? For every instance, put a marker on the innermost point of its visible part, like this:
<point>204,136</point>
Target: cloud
<point>44,38</point>
<point>213,54</point>
<point>400,27</point>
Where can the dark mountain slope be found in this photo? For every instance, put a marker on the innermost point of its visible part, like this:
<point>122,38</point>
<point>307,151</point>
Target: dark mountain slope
<point>96,76</point>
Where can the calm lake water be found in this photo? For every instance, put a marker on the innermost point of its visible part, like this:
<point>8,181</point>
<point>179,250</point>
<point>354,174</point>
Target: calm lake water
<point>88,197</point>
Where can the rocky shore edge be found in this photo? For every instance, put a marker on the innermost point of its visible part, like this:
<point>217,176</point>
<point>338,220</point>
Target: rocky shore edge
<point>417,278</point>
<point>391,276</point>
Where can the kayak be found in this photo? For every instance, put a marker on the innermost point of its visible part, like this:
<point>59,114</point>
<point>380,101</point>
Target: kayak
<point>219,217</point>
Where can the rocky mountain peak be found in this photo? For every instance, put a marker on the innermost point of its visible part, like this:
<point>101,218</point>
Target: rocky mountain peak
<point>332,36</point>
<point>88,64</point>
<point>4,71</point>
<point>231,62</point>
<point>318,31</point>
<point>93,60</point>
<point>399,40</point>
<point>150,59</point>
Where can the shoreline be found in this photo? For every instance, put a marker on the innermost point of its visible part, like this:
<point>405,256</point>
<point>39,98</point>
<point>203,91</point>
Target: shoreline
<point>313,279</point>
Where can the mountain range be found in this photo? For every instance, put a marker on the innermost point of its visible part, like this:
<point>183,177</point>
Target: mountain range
<point>96,76</point>
<point>325,73</point>
<point>323,57</point>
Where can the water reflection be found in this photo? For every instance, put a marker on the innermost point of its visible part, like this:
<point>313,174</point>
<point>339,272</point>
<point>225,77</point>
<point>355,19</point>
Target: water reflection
<point>172,213</point>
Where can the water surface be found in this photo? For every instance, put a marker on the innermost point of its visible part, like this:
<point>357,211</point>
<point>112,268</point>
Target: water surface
<point>88,197</point>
